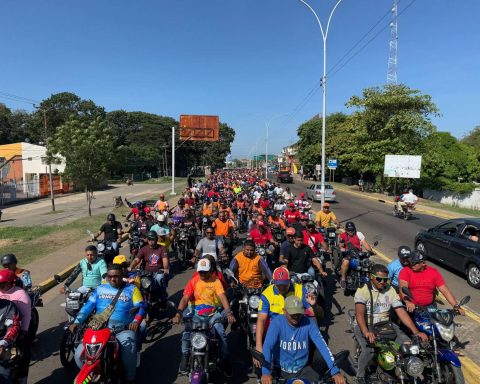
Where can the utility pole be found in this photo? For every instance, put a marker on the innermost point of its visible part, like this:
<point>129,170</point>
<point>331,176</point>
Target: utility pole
<point>52,194</point>
<point>392,59</point>
<point>173,162</point>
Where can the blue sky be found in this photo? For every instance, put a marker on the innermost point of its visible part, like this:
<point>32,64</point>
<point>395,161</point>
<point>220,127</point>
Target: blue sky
<point>245,60</point>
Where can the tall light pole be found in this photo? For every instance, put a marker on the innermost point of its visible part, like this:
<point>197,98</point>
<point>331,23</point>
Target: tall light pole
<point>267,125</point>
<point>324,84</point>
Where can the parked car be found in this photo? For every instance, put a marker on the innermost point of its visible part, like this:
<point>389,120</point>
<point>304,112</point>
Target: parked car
<point>455,244</point>
<point>314,192</point>
<point>284,177</point>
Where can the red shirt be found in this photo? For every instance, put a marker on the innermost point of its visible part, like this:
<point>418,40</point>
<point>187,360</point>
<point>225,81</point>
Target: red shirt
<point>346,239</point>
<point>422,284</point>
<point>292,216</point>
<point>265,204</point>
<point>313,240</point>
<point>259,238</point>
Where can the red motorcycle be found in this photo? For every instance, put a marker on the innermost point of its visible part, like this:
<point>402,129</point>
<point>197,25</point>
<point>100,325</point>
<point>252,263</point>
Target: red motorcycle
<point>102,357</point>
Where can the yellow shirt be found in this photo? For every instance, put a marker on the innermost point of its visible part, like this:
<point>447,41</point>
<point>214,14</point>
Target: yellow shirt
<point>325,218</point>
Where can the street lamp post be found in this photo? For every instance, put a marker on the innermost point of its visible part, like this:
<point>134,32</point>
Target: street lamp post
<point>324,84</point>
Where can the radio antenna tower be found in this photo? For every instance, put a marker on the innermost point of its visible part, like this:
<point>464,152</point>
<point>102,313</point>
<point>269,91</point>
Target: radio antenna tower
<point>392,59</point>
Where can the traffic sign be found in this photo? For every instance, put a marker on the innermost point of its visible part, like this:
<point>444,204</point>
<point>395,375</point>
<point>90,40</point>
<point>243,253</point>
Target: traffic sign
<point>332,163</point>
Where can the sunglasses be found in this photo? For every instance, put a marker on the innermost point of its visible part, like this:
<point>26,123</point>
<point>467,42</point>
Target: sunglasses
<point>380,279</point>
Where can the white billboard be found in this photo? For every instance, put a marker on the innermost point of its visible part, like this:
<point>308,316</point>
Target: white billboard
<point>402,166</point>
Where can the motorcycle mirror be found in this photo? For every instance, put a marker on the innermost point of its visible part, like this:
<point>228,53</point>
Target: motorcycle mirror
<point>464,301</point>
<point>375,243</point>
<point>258,356</point>
<point>57,278</point>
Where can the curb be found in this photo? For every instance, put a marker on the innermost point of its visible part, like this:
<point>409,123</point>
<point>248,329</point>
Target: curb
<point>470,369</point>
<point>418,209</point>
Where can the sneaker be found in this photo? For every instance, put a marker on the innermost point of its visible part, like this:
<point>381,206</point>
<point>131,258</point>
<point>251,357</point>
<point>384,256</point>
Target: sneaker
<point>343,284</point>
<point>183,368</point>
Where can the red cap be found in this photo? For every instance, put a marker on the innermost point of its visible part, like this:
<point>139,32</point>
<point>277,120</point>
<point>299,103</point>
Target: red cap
<point>304,217</point>
<point>281,276</point>
<point>7,276</point>
<point>260,223</point>
<point>290,231</point>
<point>302,194</point>
<point>291,205</point>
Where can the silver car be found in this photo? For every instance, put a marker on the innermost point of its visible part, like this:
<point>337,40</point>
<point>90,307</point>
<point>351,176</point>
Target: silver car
<point>314,192</point>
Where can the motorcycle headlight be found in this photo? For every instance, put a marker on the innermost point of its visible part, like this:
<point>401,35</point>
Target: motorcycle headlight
<point>100,247</point>
<point>146,282</point>
<point>261,251</point>
<point>415,366</point>
<point>447,332</point>
<point>199,341</point>
<point>254,301</point>
<point>93,349</point>
<point>72,304</point>
<point>414,349</point>
<point>332,234</point>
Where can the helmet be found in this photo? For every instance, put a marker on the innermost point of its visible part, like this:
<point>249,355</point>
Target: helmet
<point>7,276</point>
<point>111,217</point>
<point>120,259</point>
<point>181,201</point>
<point>138,203</point>
<point>9,258</point>
<point>350,227</point>
<point>161,218</point>
<point>152,235</point>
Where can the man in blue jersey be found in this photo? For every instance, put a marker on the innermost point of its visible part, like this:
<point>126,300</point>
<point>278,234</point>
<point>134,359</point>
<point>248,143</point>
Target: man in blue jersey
<point>394,268</point>
<point>288,337</point>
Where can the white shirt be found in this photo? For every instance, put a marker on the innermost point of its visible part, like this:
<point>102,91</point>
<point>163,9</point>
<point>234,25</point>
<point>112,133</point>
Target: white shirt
<point>410,198</point>
<point>287,196</point>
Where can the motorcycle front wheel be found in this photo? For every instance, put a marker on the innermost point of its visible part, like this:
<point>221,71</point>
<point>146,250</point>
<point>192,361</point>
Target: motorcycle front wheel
<point>34,322</point>
<point>67,349</point>
<point>451,374</point>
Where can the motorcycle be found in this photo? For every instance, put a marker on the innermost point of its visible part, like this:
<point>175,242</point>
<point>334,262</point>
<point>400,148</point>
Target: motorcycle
<point>181,245</point>
<point>331,237</point>
<point>248,301</point>
<point>278,234</point>
<point>74,301</point>
<point>340,361</point>
<point>204,350</point>
<point>135,243</point>
<point>267,251</point>
<point>152,293</point>
<point>241,219</point>
<point>393,362</point>
<point>440,326</point>
<point>406,212</point>
<point>314,286</point>
<point>36,301</point>
<point>358,270</point>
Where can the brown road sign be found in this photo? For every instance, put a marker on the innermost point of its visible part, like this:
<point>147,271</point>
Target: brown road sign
<point>199,127</point>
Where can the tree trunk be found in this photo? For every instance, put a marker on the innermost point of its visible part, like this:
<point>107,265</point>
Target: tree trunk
<point>89,201</point>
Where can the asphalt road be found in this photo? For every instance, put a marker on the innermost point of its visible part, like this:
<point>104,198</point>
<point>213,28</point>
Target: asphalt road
<point>160,359</point>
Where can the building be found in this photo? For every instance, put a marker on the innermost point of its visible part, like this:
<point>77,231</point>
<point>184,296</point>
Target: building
<point>24,173</point>
<point>289,158</point>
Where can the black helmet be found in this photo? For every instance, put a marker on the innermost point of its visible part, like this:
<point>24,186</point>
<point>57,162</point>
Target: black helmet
<point>111,217</point>
<point>152,235</point>
<point>350,227</point>
<point>9,258</point>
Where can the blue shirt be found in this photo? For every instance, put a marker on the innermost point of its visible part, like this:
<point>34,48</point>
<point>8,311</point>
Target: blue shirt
<point>394,269</point>
<point>291,344</point>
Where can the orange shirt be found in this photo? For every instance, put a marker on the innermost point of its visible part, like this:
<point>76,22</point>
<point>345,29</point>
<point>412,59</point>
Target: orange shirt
<point>207,209</point>
<point>204,295</point>
<point>228,211</point>
<point>279,222</point>
<point>222,227</point>
<point>249,272</point>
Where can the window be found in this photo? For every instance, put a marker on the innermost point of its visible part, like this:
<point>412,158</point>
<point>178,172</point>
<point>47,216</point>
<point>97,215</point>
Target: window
<point>449,228</point>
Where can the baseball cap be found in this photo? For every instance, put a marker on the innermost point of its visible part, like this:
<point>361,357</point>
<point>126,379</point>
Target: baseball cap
<point>404,252</point>
<point>326,205</point>
<point>260,223</point>
<point>281,276</point>
<point>120,259</point>
<point>294,305</point>
<point>416,257</point>
<point>302,194</point>
<point>255,201</point>
<point>203,265</point>
<point>290,231</point>
<point>303,217</point>
<point>291,205</point>
<point>161,218</point>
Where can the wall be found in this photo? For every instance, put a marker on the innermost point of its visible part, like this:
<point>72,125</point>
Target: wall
<point>32,160</point>
<point>468,200</point>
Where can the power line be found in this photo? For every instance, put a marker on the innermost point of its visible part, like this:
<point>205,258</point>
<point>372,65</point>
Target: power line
<point>11,96</point>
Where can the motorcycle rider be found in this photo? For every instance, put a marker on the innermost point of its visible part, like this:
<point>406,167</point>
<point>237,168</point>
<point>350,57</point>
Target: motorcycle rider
<point>301,203</point>
<point>384,298</point>
<point>279,207</point>
<point>288,338</point>
<point>207,297</point>
<point>161,205</point>
<point>272,303</point>
<point>287,195</point>
<point>299,258</point>
<point>292,214</point>
<point>9,261</point>
<point>143,224</point>
<point>288,242</point>
<point>313,238</point>
<point>179,209</point>
<point>138,207</point>
<point>397,265</point>
<point>422,281</point>
<point>326,217</point>
<point>21,300</point>
<point>112,232</point>
<point>225,230</point>
<point>125,320</point>
<point>275,220</point>
<point>209,245</point>
<point>92,268</point>
<point>162,224</point>
<point>155,260</point>
<point>408,197</point>
<point>261,235</point>
<point>250,269</point>
<point>350,239</point>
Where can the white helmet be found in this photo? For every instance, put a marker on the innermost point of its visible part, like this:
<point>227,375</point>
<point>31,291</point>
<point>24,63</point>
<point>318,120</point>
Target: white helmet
<point>160,217</point>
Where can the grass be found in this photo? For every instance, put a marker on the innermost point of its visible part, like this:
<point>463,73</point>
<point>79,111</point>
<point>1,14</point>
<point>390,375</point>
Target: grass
<point>35,242</point>
<point>53,212</point>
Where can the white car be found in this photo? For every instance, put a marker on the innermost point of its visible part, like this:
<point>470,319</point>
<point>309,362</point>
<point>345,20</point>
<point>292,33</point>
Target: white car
<point>314,192</point>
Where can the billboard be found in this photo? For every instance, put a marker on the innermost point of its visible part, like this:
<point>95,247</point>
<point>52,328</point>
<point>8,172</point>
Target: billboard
<point>199,127</point>
<point>405,166</point>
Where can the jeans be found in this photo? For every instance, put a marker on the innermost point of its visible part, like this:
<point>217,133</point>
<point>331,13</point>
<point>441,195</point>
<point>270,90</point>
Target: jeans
<point>219,328</point>
<point>128,353</point>
<point>162,281</point>
<point>4,375</point>
<point>368,353</point>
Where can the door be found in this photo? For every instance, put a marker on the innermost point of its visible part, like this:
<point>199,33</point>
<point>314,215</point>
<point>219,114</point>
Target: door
<point>441,239</point>
<point>461,248</point>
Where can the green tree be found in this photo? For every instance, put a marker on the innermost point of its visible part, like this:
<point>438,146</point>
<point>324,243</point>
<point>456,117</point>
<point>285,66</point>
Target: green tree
<point>449,165</point>
<point>473,138</point>
<point>87,148</point>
